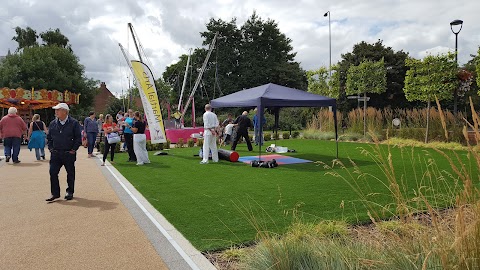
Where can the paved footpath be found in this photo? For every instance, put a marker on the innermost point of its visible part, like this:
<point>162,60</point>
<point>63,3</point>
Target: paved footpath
<point>108,224</point>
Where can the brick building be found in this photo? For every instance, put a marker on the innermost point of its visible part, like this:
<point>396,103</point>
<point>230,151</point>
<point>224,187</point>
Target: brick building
<point>102,98</point>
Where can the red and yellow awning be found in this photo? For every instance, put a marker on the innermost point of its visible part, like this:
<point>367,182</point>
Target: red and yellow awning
<point>35,99</point>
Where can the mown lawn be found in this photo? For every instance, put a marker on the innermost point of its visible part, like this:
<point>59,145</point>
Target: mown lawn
<point>214,205</point>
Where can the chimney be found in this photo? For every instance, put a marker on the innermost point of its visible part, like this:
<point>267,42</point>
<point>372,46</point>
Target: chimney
<point>103,85</point>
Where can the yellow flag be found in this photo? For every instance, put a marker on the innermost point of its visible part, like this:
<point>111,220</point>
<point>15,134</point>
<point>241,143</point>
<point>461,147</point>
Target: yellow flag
<point>148,94</point>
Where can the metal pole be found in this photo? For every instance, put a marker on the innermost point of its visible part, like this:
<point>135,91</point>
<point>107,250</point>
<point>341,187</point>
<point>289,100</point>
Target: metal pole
<point>456,48</point>
<point>456,22</point>
<point>330,44</point>
<point>135,41</point>
<point>455,94</point>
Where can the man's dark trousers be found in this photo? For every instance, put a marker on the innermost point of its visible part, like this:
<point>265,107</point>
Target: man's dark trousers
<point>12,147</point>
<point>242,133</point>
<point>129,142</point>
<point>57,160</point>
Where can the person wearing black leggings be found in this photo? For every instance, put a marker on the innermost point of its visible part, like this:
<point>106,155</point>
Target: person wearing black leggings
<point>108,127</point>
<point>108,147</point>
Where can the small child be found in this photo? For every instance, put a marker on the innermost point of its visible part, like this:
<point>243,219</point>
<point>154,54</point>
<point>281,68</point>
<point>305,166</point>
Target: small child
<point>227,137</point>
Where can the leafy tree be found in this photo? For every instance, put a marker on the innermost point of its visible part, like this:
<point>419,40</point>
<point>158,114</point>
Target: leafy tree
<point>368,77</point>
<point>49,67</point>
<point>266,56</point>
<point>253,54</point>
<point>395,73</point>
<point>430,78</point>
<point>54,37</point>
<point>25,38</point>
<point>318,82</point>
<point>477,68</point>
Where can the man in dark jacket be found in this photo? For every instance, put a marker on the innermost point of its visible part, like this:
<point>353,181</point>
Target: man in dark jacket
<point>64,138</point>
<point>242,123</point>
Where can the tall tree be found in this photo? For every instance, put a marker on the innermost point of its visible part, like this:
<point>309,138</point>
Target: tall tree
<point>49,67</point>
<point>430,78</point>
<point>266,56</point>
<point>54,37</point>
<point>395,72</point>
<point>253,54</point>
<point>25,37</point>
<point>318,83</point>
<point>477,68</point>
<point>368,77</point>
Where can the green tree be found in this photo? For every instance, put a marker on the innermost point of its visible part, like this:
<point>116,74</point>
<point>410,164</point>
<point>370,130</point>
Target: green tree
<point>253,54</point>
<point>54,37</point>
<point>49,67</point>
<point>395,72</point>
<point>266,56</point>
<point>25,38</point>
<point>318,81</point>
<point>368,77</point>
<point>430,78</point>
<point>477,68</point>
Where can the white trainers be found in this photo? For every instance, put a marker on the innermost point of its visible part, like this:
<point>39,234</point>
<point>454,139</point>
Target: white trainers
<point>203,162</point>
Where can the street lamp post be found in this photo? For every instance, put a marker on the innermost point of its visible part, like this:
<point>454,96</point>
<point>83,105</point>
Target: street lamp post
<point>455,23</point>
<point>329,42</point>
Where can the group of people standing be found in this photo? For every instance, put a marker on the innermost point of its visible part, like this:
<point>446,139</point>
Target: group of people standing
<point>240,125</point>
<point>13,129</point>
<point>64,136</point>
<point>133,127</point>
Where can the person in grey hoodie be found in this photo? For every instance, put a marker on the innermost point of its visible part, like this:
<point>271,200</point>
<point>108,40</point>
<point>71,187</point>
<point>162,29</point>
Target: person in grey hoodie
<point>90,131</point>
<point>12,127</point>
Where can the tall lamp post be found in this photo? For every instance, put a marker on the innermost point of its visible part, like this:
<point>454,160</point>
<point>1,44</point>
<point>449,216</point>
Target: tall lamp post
<point>452,24</point>
<point>329,42</point>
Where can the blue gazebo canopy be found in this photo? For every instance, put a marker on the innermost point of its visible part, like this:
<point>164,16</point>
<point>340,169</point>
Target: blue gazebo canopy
<point>276,96</point>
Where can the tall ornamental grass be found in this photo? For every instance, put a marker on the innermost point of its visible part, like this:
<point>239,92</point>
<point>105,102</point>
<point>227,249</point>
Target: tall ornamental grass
<point>433,223</point>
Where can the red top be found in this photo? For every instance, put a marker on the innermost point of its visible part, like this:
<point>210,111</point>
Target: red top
<point>107,127</point>
<point>12,125</point>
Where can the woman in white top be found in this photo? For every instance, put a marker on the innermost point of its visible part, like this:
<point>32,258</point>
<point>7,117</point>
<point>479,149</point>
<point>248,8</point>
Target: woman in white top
<point>140,140</point>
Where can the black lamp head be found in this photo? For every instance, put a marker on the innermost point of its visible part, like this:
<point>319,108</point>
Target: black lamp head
<point>456,22</point>
<point>326,14</point>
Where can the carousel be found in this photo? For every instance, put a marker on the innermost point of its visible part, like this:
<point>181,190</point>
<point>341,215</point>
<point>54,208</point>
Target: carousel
<point>27,101</point>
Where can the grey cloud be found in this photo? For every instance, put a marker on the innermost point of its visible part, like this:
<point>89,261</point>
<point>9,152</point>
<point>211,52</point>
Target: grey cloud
<point>414,26</point>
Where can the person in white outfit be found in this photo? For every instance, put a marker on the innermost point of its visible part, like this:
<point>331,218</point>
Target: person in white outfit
<point>210,123</point>
<point>140,140</point>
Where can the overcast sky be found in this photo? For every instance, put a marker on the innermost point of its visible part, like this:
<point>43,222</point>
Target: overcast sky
<point>168,28</point>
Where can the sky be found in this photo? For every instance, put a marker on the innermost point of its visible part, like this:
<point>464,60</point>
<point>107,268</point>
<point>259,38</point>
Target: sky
<point>167,29</point>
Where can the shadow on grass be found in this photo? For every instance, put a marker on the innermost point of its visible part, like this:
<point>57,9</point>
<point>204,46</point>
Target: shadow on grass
<point>329,159</point>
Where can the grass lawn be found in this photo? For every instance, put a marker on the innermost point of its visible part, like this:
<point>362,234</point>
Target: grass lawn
<point>214,205</point>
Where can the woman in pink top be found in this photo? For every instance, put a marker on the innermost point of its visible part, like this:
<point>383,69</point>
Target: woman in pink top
<point>12,127</point>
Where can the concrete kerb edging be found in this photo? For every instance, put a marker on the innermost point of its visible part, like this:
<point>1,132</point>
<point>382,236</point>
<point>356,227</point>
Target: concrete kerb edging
<point>190,254</point>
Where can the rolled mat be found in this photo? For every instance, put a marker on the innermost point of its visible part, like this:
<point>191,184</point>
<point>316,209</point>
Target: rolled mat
<point>229,155</point>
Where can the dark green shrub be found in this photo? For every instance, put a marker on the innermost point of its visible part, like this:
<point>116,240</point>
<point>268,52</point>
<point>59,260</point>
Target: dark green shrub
<point>200,142</point>
<point>286,135</point>
<point>180,143</point>
<point>167,145</point>
<point>276,136</point>
<point>159,146</point>
<point>267,137</point>
<point>295,134</point>
<point>190,143</point>
<point>149,146</point>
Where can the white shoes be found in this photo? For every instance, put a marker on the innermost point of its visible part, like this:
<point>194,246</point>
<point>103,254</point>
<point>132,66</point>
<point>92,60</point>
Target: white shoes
<point>206,162</point>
